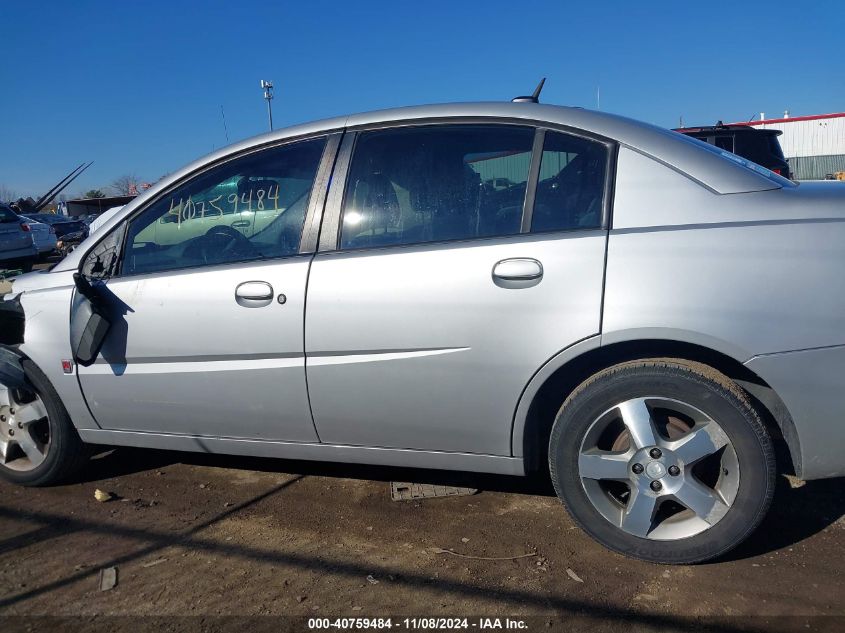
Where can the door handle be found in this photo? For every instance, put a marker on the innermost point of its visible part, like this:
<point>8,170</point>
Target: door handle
<point>254,294</point>
<point>240,224</point>
<point>517,272</point>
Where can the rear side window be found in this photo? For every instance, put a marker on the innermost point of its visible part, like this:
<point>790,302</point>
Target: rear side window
<point>570,191</point>
<point>436,183</point>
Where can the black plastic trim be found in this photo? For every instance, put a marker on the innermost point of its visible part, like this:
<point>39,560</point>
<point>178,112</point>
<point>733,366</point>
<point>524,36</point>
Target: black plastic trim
<point>610,185</point>
<point>533,177</point>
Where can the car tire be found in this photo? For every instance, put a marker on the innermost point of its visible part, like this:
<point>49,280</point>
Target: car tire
<point>64,453</point>
<point>715,469</point>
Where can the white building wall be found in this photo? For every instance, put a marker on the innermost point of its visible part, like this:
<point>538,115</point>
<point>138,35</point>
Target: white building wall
<point>813,137</point>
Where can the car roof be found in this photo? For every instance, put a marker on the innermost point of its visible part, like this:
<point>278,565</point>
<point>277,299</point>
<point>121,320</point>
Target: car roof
<point>683,153</point>
<point>727,129</point>
<point>674,149</point>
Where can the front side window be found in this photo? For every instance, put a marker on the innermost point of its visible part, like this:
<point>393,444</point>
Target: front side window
<point>248,209</point>
<point>436,183</point>
<point>570,190</point>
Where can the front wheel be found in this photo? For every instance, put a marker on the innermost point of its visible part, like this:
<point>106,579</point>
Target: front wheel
<point>38,443</point>
<point>662,460</point>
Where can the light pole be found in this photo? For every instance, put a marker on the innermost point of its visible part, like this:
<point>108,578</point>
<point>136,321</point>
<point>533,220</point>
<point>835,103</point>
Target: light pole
<point>268,95</point>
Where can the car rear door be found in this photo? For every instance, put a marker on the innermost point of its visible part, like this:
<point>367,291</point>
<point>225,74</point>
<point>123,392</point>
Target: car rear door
<point>206,336</point>
<point>455,260</point>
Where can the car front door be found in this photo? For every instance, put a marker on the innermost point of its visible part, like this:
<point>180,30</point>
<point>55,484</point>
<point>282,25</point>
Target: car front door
<point>461,259</point>
<point>207,307</point>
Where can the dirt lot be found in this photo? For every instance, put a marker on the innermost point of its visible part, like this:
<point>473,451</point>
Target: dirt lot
<point>204,535</point>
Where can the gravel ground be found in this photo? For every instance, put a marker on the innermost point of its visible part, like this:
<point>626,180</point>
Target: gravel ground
<point>218,536</point>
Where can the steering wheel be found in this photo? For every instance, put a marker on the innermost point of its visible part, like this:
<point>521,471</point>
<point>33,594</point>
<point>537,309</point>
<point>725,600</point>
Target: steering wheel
<point>222,239</point>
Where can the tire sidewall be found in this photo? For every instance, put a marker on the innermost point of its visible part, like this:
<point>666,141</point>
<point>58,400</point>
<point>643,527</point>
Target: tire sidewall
<point>735,416</point>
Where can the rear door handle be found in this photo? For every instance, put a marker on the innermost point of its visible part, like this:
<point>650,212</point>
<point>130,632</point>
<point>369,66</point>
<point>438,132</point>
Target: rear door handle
<point>254,294</point>
<point>517,272</point>
<point>518,268</point>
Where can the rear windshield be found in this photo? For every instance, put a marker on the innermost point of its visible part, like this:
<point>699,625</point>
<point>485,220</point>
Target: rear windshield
<point>760,146</point>
<point>7,215</point>
<point>739,160</point>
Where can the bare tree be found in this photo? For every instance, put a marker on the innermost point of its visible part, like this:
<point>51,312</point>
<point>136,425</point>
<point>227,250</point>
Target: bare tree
<point>125,185</point>
<point>7,195</point>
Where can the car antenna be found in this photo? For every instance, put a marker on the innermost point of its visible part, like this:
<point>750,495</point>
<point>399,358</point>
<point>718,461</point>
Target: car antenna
<point>534,98</point>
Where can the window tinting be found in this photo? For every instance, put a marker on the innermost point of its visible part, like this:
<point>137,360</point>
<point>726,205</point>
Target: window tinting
<point>250,208</point>
<point>724,142</point>
<point>7,215</point>
<point>570,190</point>
<point>424,184</point>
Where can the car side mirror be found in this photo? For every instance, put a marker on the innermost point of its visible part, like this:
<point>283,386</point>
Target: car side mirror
<point>89,324</point>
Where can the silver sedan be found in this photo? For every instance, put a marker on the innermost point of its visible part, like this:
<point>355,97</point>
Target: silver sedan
<point>495,287</point>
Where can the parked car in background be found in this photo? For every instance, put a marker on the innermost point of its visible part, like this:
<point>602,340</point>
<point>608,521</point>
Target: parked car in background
<point>17,249</point>
<point>60,223</point>
<point>645,316</point>
<point>98,221</point>
<point>70,241</point>
<point>43,235</point>
<point>758,146</point>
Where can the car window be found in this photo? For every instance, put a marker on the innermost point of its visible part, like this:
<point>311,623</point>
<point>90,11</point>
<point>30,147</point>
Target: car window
<point>435,183</point>
<point>758,146</point>
<point>724,142</point>
<point>7,215</point>
<point>774,146</point>
<point>250,208</point>
<point>738,160</point>
<point>570,190</point>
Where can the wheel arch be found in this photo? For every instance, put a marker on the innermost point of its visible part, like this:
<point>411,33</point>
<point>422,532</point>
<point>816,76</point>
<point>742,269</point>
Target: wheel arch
<point>553,383</point>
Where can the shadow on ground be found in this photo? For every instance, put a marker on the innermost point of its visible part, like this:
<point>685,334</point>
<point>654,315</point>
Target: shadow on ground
<point>797,513</point>
<point>111,463</point>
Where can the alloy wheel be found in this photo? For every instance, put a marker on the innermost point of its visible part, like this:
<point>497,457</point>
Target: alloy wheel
<point>24,430</point>
<point>659,468</point>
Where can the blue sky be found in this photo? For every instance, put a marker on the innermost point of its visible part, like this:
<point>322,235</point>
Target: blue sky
<point>137,87</point>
